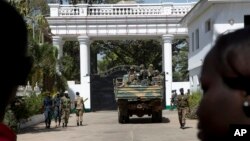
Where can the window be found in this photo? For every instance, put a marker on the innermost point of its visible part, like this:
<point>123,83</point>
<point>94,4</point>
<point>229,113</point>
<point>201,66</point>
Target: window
<point>197,38</point>
<point>208,25</point>
<point>192,42</point>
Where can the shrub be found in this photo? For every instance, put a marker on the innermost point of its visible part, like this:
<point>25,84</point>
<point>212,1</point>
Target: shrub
<point>194,101</point>
<point>21,109</point>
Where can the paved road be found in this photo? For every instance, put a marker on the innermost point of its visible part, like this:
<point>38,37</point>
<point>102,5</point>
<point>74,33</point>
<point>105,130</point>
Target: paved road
<point>103,126</point>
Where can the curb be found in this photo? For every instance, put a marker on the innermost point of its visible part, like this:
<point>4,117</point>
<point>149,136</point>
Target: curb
<point>32,121</point>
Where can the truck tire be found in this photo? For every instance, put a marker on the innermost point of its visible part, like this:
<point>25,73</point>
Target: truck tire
<point>157,116</point>
<point>121,117</point>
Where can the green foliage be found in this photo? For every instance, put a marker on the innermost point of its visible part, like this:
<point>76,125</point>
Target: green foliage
<point>21,109</point>
<point>70,62</point>
<point>194,101</point>
<point>180,61</point>
<point>130,52</point>
<point>33,104</point>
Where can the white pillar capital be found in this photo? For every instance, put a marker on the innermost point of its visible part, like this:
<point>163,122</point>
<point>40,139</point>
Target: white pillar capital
<point>167,38</point>
<point>83,39</point>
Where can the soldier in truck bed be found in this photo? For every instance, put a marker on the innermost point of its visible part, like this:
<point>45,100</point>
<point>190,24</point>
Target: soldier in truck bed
<point>132,77</point>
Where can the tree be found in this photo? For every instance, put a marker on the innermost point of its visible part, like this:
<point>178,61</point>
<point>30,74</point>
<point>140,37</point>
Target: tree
<point>70,62</point>
<point>180,61</point>
<point>131,52</point>
<point>44,67</point>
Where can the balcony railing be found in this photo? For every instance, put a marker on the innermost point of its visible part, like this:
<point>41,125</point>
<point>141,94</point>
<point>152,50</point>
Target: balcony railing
<point>120,9</point>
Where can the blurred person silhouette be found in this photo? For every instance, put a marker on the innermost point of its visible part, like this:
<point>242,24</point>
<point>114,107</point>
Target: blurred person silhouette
<point>15,63</point>
<point>225,79</point>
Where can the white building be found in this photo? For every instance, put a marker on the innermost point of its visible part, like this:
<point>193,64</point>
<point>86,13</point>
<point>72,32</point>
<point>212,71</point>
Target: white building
<point>206,21</point>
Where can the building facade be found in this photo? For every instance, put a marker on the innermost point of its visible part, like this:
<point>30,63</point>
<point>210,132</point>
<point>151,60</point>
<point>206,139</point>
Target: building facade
<point>205,22</point>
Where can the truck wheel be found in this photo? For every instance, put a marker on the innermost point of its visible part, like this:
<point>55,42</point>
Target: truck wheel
<point>120,117</point>
<point>157,116</point>
<point>126,118</point>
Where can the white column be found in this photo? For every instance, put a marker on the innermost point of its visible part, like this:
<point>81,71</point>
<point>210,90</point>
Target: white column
<point>85,69</point>
<point>58,43</point>
<point>84,55</point>
<point>167,65</point>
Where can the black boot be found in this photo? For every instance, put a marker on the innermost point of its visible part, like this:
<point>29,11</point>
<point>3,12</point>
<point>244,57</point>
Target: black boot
<point>77,123</point>
<point>81,123</point>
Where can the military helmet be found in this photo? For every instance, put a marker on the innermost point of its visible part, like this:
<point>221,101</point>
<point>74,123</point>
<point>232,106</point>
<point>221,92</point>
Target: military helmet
<point>142,66</point>
<point>157,72</point>
<point>151,65</point>
<point>132,67</point>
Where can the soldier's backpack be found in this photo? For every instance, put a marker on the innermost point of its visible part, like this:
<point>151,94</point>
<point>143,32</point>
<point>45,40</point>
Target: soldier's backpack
<point>65,103</point>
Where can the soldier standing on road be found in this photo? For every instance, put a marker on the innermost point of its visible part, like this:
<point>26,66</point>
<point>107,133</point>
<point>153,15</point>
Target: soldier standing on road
<point>48,104</point>
<point>65,108</point>
<point>57,109</point>
<point>182,105</point>
<point>79,106</point>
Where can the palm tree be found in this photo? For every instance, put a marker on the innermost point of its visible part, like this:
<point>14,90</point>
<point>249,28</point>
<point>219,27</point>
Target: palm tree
<point>44,66</point>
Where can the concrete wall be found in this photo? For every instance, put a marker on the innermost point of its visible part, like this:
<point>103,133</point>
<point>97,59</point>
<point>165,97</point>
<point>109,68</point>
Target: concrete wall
<point>82,89</point>
<point>177,85</point>
<point>73,88</point>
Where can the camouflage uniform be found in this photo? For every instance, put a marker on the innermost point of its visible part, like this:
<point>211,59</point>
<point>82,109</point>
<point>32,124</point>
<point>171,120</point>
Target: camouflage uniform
<point>157,78</point>
<point>143,76</point>
<point>150,72</point>
<point>65,109</point>
<point>182,106</point>
<point>132,78</point>
<point>79,105</point>
<point>48,104</point>
<point>57,109</point>
<point>173,99</point>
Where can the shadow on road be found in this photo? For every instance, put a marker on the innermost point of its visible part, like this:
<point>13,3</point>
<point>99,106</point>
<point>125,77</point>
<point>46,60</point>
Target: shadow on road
<point>186,128</point>
<point>35,129</point>
<point>146,120</point>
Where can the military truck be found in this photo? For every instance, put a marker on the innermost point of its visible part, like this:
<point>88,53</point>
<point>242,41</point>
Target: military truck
<point>138,99</point>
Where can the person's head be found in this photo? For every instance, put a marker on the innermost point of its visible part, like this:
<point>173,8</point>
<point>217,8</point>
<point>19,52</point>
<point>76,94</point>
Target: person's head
<point>142,66</point>
<point>132,69</point>
<point>77,93</point>
<point>14,61</point>
<point>225,79</point>
<point>156,72</point>
<point>181,91</point>
<point>66,93</point>
<point>151,66</point>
